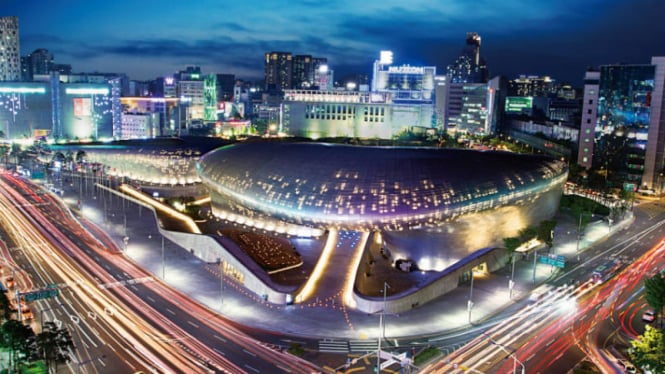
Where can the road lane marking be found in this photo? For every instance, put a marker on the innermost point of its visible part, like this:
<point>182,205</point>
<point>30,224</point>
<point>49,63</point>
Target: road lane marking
<point>220,338</point>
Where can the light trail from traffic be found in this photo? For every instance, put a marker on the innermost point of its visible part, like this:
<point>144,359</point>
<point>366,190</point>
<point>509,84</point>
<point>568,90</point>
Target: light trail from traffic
<point>551,326</point>
<point>183,350</point>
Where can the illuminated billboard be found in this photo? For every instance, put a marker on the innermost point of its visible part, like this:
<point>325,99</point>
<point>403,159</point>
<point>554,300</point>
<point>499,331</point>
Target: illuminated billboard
<point>519,104</point>
<point>82,107</point>
<point>386,57</point>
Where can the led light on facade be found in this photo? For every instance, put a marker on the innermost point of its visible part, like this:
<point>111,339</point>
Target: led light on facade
<point>23,90</point>
<point>87,91</point>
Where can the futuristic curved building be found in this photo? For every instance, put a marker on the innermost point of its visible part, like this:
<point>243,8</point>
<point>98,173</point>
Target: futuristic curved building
<point>320,186</point>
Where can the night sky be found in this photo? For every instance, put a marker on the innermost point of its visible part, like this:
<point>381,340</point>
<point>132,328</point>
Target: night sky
<point>150,38</point>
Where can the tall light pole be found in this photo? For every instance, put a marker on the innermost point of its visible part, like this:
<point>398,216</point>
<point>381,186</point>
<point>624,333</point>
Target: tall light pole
<point>469,304</point>
<point>163,260</point>
<point>535,257</point>
<point>512,352</point>
<point>381,327</point>
<point>511,284</point>
<point>221,283</point>
<point>579,235</point>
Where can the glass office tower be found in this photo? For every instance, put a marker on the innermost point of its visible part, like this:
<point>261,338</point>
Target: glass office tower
<point>623,121</point>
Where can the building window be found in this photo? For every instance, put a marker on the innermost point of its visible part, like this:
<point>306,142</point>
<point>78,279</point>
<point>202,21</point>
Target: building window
<point>590,101</point>
<point>588,120</point>
<point>588,111</point>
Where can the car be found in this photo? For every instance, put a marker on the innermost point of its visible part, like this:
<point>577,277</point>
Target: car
<point>627,366</point>
<point>649,316</point>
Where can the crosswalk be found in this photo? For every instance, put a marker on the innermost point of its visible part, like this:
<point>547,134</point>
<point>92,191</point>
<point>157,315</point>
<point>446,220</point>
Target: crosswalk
<point>333,346</point>
<point>351,346</point>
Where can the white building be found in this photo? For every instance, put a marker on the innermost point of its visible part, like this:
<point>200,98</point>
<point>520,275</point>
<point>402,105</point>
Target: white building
<point>317,114</point>
<point>139,126</point>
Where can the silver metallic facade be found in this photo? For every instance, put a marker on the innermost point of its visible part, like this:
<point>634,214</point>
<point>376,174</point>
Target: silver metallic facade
<point>389,188</point>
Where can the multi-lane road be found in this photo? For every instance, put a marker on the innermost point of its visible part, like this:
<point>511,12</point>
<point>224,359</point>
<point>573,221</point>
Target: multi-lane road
<point>577,318</point>
<point>122,318</point>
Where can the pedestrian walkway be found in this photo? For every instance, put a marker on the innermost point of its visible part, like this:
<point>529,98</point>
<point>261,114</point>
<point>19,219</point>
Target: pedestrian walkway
<point>324,318</point>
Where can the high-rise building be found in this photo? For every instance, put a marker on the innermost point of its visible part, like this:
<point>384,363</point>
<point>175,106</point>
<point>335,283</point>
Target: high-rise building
<point>210,98</point>
<point>10,53</point>
<point>469,67</point>
<point>278,71</point>
<point>531,85</point>
<point>225,84</point>
<point>303,76</point>
<point>623,125</point>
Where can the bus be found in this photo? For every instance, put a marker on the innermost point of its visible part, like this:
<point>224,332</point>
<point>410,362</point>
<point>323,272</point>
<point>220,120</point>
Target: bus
<point>605,271</point>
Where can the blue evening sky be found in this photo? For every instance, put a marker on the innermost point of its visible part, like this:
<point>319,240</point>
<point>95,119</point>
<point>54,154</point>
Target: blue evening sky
<point>151,38</point>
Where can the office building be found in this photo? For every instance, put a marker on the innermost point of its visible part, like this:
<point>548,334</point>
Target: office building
<point>532,85</point>
<point>10,52</point>
<point>225,84</point>
<point>623,122</point>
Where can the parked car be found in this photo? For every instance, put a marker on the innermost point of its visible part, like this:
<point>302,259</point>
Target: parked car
<point>649,316</point>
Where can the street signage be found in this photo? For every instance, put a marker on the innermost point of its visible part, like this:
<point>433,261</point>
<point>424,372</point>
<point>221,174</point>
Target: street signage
<point>40,294</point>
<point>554,260</point>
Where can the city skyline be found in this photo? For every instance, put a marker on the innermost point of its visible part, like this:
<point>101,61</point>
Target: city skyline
<point>146,39</point>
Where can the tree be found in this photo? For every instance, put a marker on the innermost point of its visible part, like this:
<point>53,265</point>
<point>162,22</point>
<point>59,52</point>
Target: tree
<point>5,307</point>
<point>527,234</point>
<point>654,288</point>
<point>511,245</point>
<point>545,230</point>
<point>648,351</point>
<point>53,345</point>
<point>19,339</point>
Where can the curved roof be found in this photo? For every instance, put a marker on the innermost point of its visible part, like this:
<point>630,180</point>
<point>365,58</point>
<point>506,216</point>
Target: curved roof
<point>334,184</point>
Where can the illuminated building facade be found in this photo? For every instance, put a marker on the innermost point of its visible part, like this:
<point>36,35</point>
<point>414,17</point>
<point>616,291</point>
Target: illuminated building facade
<point>24,108</point>
<point>318,114</point>
<point>167,161</point>
<point>66,111</point>
<point>167,109</point>
<point>210,98</point>
<point>622,123</point>
<point>531,85</point>
<point>405,83</point>
<point>139,125</point>
<point>316,185</point>
<point>10,52</point>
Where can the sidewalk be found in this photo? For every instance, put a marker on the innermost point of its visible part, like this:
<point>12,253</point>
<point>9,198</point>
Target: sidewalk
<point>323,318</point>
